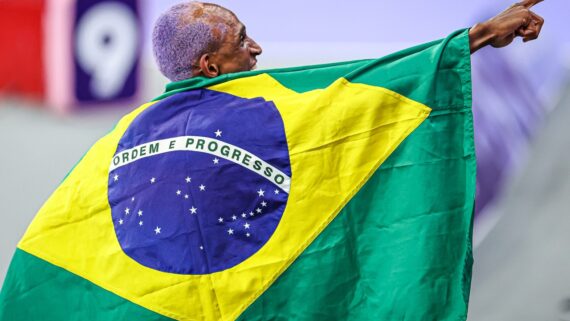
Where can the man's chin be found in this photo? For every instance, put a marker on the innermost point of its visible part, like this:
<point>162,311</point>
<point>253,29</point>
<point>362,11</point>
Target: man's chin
<point>253,65</point>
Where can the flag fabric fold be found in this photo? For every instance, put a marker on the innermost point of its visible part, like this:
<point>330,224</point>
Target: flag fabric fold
<point>332,192</point>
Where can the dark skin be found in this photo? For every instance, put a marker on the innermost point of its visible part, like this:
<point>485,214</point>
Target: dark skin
<point>499,31</point>
<point>236,51</point>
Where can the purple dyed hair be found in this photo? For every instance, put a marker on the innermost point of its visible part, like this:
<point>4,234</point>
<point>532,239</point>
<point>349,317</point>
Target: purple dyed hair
<point>180,36</point>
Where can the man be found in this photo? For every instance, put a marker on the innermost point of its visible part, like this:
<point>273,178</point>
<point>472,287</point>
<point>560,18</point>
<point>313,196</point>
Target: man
<point>202,39</point>
<point>333,192</point>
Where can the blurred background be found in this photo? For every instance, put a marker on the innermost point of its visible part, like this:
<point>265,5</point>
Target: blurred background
<point>69,69</point>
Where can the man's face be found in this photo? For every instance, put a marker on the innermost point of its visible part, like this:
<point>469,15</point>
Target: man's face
<point>237,51</point>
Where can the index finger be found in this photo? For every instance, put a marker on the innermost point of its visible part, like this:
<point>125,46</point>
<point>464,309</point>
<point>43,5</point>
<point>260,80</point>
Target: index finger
<point>529,3</point>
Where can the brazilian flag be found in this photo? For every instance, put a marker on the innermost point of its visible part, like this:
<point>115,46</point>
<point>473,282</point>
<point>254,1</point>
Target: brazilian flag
<point>331,192</point>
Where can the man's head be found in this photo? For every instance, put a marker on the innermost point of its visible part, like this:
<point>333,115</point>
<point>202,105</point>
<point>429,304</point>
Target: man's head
<point>201,39</point>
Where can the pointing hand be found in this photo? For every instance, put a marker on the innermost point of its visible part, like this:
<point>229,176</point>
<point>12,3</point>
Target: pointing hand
<point>499,31</point>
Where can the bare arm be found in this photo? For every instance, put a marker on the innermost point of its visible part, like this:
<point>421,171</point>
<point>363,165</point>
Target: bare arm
<point>501,30</point>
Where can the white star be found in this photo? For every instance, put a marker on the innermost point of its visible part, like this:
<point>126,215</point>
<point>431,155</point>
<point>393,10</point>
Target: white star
<point>247,234</point>
<point>132,199</point>
<point>140,212</point>
<point>201,247</point>
<point>193,210</point>
<point>276,192</point>
<point>178,192</point>
<point>121,221</point>
<point>218,133</point>
<point>264,204</point>
<point>186,196</point>
<point>152,180</point>
<point>221,220</point>
<point>116,177</point>
<point>202,187</point>
<point>251,214</point>
<point>188,179</point>
<point>157,230</point>
<point>246,225</point>
<point>261,192</point>
<point>234,217</point>
<point>230,231</point>
<point>258,210</point>
<point>140,223</point>
<point>243,215</point>
<point>127,210</point>
<point>216,160</point>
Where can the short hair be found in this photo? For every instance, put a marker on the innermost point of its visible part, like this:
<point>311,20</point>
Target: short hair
<point>180,36</point>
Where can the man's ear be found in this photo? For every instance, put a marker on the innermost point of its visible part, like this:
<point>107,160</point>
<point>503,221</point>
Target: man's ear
<point>208,68</point>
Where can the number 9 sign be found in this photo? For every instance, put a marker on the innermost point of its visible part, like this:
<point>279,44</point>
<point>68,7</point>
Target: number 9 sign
<point>106,49</point>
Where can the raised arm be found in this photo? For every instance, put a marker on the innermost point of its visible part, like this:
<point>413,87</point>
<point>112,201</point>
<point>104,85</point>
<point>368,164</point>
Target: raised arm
<point>499,31</point>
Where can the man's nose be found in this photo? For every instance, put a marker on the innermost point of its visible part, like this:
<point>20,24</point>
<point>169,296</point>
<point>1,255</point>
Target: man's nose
<point>254,48</point>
